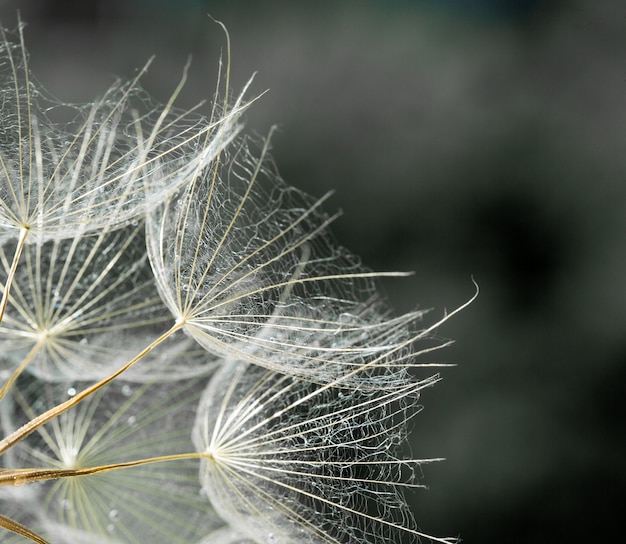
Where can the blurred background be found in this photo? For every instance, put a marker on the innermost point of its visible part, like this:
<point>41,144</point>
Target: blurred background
<point>464,139</point>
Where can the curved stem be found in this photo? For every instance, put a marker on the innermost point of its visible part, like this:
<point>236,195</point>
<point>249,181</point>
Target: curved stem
<point>19,370</point>
<point>23,476</point>
<point>19,529</point>
<point>17,477</point>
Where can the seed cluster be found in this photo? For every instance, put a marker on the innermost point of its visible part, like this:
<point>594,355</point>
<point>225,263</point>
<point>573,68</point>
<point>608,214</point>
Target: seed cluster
<point>186,355</point>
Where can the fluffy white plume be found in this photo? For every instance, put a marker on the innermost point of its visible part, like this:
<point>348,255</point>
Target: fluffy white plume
<point>248,268</point>
<point>289,461</point>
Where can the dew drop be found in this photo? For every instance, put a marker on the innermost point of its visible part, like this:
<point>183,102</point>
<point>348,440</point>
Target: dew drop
<point>127,390</point>
<point>110,528</point>
<point>71,391</point>
<point>132,421</point>
<point>114,515</point>
<point>55,299</point>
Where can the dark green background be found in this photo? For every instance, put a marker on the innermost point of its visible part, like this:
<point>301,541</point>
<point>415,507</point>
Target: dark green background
<point>464,139</point>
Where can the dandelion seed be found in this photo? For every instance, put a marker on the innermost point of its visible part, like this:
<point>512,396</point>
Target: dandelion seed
<point>157,502</point>
<point>103,169</point>
<point>291,461</point>
<point>247,267</point>
<point>71,295</point>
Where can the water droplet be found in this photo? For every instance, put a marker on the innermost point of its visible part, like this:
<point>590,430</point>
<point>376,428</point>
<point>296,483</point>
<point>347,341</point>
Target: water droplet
<point>127,390</point>
<point>114,515</point>
<point>110,527</point>
<point>71,391</point>
<point>55,299</point>
<point>132,421</point>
